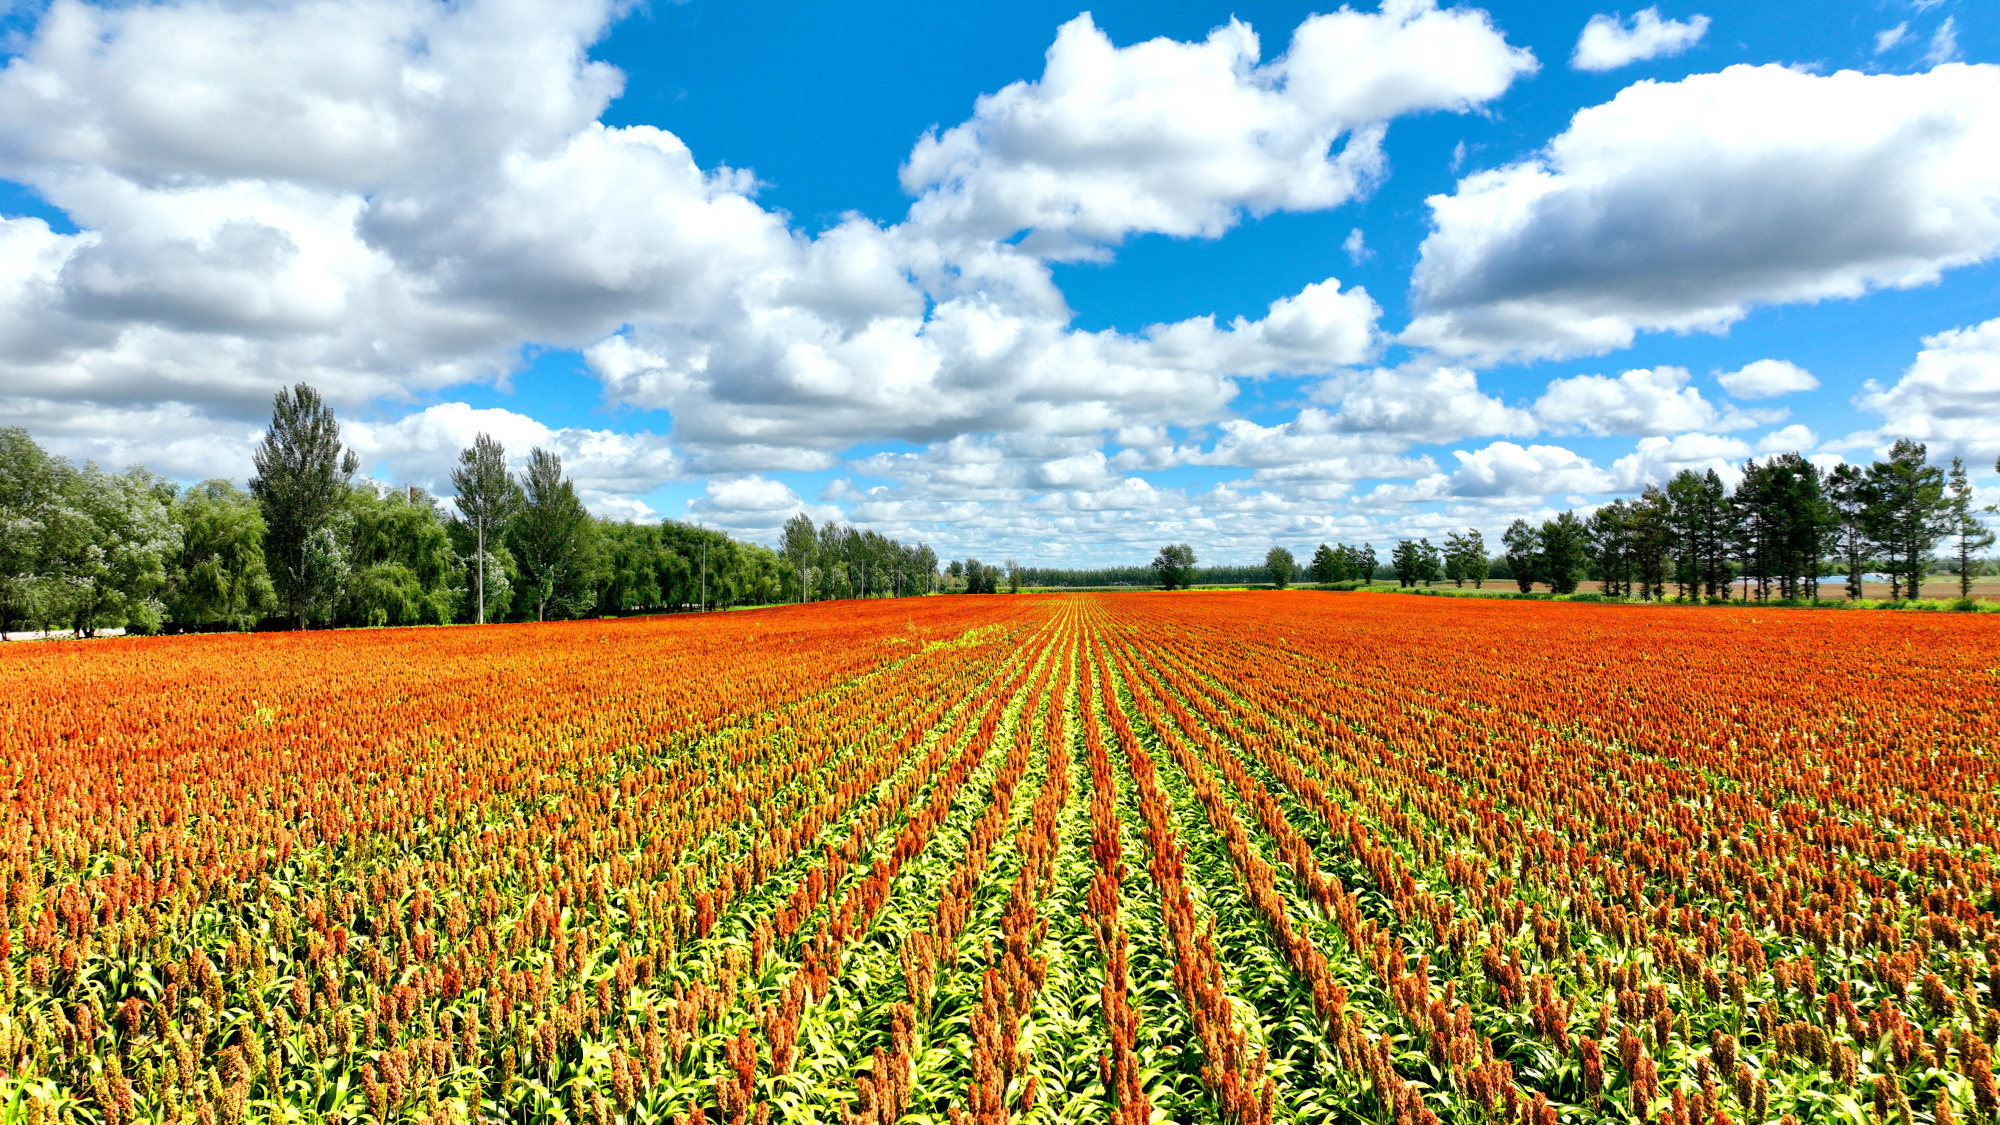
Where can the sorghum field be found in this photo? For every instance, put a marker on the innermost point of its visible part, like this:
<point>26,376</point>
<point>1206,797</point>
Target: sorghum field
<point>1240,857</point>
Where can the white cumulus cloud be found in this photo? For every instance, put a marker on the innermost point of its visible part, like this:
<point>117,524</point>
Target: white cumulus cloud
<point>1767,378</point>
<point>1182,138</point>
<point>1680,205</point>
<point>1949,397</point>
<point>1646,401</point>
<point>1608,42</point>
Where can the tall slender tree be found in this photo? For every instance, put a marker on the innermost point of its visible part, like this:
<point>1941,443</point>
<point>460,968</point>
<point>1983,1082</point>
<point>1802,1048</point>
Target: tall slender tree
<point>1847,498</point>
<point>1906,513</point>
<point>798,542</point>
<point>1969,532</point>
<point>487,498</point>
<point>1701,526</point>
<point>1608,541</point>
<point>302,477</point>
<point>550,535</point>
<point>1524,553</point>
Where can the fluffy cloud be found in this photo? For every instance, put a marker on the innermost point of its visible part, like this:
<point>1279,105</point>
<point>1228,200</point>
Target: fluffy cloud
<point>1767,378</point>
<point>1794,438</point>
<point>1949,397</point>
<point>1641,402</point>
<point>1608,43</point>
<point>1506,470</point>
<point>609,468</point>
<point>1180,138</point>
<point>1420,404</point>
<point>1678,206</point>
<point>1656,460</point>
<point>783,377</point>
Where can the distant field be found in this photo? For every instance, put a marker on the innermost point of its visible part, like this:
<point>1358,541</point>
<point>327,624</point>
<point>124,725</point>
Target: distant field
<point>1215,857</point>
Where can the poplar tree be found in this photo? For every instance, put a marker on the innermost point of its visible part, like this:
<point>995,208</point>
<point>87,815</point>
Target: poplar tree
<point>487,498</point>
<point>550,534</point>
<point>302,477</point>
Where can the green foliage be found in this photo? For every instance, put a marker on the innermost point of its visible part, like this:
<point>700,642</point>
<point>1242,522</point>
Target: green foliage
<point>402,569</point>
<point>553,541</point>
<point>1175,566</point>
<point>218,574</point>
<point>1465,558</point>
<point>83,549</point>
<point>302,479</point>
<point>1524,553</point>
<point>1282,566</point>
<point>1561,547</point>
<point>1969,534</point>
<point>487,498</point>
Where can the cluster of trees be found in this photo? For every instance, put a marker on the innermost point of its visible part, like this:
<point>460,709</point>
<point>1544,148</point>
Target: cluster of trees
<point>975,577</point>
<point>838,561</point>
<point>307,543</point>
<point>1784,527</point>
<point>1342,563</point>
<point>1461,560</point>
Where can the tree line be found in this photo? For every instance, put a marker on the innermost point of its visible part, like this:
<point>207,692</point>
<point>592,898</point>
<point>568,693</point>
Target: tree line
<point>1778,535</point>
<point>835,560</point>
<point>307,544</point>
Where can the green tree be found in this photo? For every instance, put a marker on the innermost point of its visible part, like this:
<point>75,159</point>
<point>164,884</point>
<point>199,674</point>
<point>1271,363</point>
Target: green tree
<point>1524,553</point>
<point>487,497</point>
<point>1561,547</point>
<point>1650,525</point>
<point>1906,513</point>
<point>551,539</point>
<point>1608,546</point>
<point>799,542</point>
<point>102,558</point>
<point>302,478</point>
<point>402,569</point>
<point>1405,558</point>
<point>1701,525</point>
<point>30,484</point>
<point>1327,565</point>
<point>218,574</point>
<point>1465,558</point>
<point>1282,566</point>
<point>1969,532</point>
<point>1430,563</point>
<point>1175,566</point>
<point>1847,498</point>
<point>1013,576</point>
<point>1365,563</point>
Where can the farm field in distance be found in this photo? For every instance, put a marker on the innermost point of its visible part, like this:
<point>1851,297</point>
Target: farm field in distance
<point>1211,857</point>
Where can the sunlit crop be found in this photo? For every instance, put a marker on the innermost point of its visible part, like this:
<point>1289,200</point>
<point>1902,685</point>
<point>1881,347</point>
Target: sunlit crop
<point>1251,857</point>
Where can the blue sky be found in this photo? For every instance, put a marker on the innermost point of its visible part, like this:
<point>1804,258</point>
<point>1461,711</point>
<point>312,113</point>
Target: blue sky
<point>677,243</point>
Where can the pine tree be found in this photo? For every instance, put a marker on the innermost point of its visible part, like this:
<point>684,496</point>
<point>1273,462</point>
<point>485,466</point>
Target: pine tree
<point>1971,534</point>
